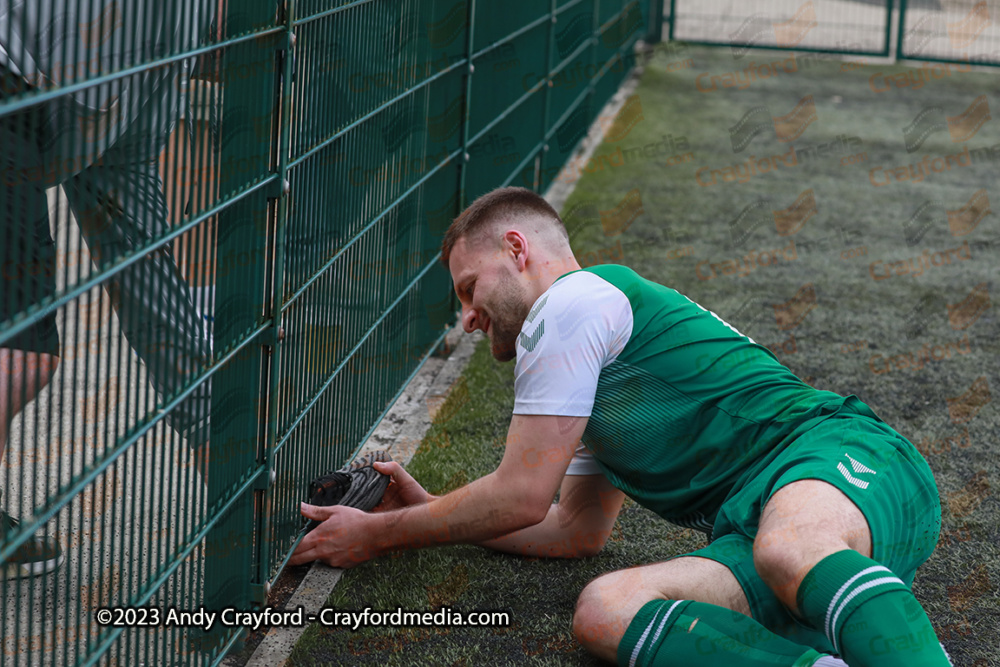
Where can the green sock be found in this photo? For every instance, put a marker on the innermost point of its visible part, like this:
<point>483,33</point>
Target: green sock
<point>868,613</point>
<point>683,633</point>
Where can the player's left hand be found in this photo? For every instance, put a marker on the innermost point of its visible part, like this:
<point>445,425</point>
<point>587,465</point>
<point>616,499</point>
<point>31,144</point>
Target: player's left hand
<point>403,490</point>
<point>343,539</point>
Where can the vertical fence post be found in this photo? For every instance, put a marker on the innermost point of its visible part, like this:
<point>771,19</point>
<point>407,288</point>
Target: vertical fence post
<point>542,163</point>
<point>900,31</point>
<point>250,104</point>
<point>654,35</point>
<point>470,18</point>
<point>282,142</point>
<point>595,29</point>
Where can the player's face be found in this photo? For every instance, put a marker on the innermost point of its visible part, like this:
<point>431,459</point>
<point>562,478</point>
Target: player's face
<point>492,299</point>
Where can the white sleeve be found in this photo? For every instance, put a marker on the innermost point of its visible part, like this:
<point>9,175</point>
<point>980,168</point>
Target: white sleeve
<point>575,329</point>
<point>583,463</point>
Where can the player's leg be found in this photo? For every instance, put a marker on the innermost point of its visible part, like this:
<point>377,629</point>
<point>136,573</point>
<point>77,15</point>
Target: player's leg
<point>801,524</point>
<point>27,261</point>
<point>27,267</point>
<point>120,208</point>
<point>686,611</point>
<point>608,604</point>
<point>814,548</point>
<point>29,359</point>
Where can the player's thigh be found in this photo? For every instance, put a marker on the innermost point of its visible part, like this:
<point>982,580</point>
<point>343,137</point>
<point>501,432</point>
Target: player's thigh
<point>801,524</point>
<point>852,484</point>
<point>814,511</point>
<point>622,593</point>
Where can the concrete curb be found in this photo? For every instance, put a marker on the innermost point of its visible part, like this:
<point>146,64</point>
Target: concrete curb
<point>404,426</point>
<point>311,594</point>
<point>401,432</point>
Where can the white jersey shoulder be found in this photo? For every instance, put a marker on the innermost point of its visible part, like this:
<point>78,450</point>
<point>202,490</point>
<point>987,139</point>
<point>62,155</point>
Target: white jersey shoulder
<point>573,331</point>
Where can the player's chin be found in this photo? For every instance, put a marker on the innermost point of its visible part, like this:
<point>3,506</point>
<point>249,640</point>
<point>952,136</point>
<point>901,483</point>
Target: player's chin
<point>502,352</point>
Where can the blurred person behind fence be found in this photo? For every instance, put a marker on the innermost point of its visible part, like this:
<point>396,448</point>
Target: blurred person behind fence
<point>101,144</point>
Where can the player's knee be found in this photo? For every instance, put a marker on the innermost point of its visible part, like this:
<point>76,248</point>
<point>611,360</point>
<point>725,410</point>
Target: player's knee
<point>595,623</point>
<point>777,562</point>
<point>588,614</point>
<point>584,621</point>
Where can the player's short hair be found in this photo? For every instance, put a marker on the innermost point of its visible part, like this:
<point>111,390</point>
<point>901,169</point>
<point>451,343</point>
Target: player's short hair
<point>495,206</point>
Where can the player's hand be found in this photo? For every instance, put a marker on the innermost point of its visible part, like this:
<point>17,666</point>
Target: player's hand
<point>345,537</point>
<point>403,490</point>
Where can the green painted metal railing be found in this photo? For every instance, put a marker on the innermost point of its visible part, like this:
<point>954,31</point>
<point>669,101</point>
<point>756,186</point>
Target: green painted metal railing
<point>219,269</point>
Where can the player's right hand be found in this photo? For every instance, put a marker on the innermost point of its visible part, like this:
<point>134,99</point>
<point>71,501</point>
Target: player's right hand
<point>403,490</point>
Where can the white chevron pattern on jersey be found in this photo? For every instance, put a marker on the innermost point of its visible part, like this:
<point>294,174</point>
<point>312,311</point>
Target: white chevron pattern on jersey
<point>859,467</point>
<point>860,483</point>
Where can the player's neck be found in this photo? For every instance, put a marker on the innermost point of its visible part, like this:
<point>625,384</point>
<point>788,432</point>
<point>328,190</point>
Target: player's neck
<point>547,270</point>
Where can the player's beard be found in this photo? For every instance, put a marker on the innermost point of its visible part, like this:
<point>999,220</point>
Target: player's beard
<point>507,312</point>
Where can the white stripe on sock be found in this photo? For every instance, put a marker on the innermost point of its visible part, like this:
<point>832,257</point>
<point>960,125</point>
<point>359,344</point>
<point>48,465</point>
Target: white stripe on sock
<point>642,639</point>
<point>833,602</point>
<point>855,592</point>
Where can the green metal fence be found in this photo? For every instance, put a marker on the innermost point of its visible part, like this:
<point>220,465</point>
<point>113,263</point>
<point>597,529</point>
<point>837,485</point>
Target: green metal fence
<point>219,268</point>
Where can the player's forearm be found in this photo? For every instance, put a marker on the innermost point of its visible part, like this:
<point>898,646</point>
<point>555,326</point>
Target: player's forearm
<point>554,537</point>
<point>480,511</point>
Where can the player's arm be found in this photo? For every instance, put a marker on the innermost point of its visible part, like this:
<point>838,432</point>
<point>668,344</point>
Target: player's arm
<point>577,526</point>
<point>516,495</point>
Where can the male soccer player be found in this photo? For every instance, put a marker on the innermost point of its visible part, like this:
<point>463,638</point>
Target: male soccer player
<point>818,512</point>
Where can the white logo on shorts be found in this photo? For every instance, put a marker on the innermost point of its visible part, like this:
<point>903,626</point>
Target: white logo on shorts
<point>859,468</point>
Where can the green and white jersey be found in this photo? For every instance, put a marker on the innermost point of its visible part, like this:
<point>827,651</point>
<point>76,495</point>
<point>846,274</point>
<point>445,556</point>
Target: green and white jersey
<point>681,404</point>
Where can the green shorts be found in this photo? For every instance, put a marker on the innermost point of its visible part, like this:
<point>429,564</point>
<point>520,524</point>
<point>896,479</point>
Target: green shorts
<point>878,469</point>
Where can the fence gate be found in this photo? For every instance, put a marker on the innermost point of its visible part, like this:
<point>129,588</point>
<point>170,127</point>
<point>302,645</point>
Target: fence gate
<point>962,31</point>
<point>219,268</point>
<point>855,27</point>
<point>957,31</point>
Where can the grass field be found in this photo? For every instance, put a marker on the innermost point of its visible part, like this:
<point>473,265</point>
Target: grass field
<point>825,235</point>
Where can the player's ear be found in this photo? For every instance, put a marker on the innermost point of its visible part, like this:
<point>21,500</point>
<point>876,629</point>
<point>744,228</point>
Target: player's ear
<point>516,247</point>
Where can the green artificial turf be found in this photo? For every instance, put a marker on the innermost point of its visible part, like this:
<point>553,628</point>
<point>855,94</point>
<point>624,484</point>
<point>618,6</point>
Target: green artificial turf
<point>853,341</point>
